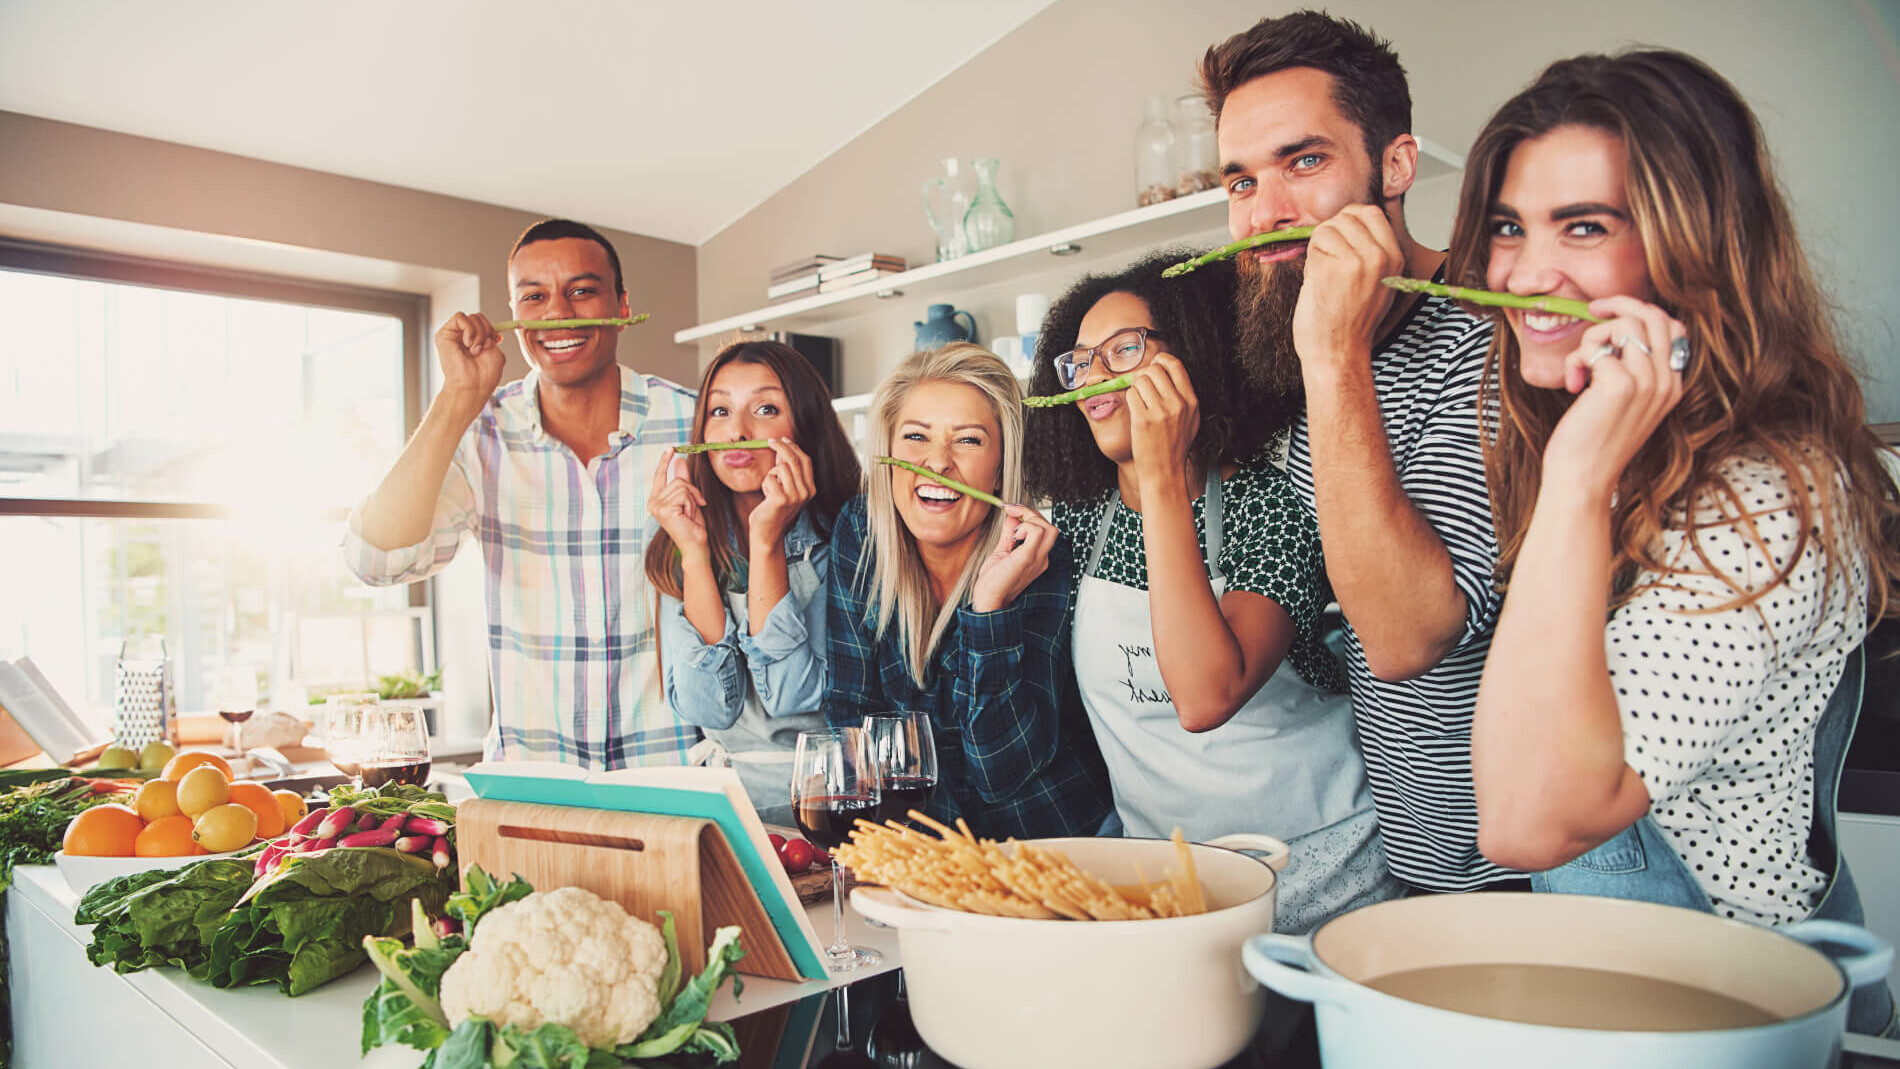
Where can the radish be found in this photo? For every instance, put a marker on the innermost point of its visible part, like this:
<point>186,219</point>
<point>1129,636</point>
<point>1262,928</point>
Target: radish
<point>333,825</point>
<point>368,838</point>
<point>441,853</point>
<point>426,826</point>
<point>366,821</point>
<point>267,861</point>
<point>395,823</point>
<point>307,827</point>
<point>414,844</point>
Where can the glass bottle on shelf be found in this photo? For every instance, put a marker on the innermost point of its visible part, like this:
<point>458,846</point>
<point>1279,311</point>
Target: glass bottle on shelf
<point>989,222</point>
<point>1196,146</point>
<point>946,202</point>
<point>1154,154</point>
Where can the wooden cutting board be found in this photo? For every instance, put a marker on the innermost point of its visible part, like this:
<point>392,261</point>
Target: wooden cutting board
<point>643,861</point>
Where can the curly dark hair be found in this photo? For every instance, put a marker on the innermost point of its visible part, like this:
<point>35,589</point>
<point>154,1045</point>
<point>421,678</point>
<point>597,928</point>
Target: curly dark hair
<point>1196,314</point>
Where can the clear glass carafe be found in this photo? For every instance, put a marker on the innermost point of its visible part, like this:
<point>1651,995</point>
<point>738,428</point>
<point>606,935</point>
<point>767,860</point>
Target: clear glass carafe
<point>989,222</point>
<point>1154,154</point>
<point>946,201</point>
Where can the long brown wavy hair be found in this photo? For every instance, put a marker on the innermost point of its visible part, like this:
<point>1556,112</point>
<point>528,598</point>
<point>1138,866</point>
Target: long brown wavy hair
<point>1766,378</point>
<point>815,427</point>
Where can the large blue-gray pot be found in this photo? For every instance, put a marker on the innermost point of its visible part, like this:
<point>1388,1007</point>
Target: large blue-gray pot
<point>1803,990</point>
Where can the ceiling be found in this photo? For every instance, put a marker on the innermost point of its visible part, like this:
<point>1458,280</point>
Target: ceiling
<point>665,119</point>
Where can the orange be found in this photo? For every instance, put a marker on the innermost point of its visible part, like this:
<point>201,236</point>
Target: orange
<point>176,768</point>
<point>156,799</point>
<point>291,804</point>
<point>166,837</point>
<point>110,830</point>
<point>257,798</point>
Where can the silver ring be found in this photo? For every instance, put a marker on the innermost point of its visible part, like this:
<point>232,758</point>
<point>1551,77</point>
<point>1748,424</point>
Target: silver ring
<point>1640,345</point>
<point>1679,354</point>
<point>1606,349</point>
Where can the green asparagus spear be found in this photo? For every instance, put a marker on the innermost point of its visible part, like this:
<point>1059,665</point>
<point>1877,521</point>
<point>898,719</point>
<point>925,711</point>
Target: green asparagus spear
<point>1562,306</point>
<point>1228,252</point>
<point>569,324</point>
<point>714,447</point>
<point>966,491</point>
<point>1112,385</point>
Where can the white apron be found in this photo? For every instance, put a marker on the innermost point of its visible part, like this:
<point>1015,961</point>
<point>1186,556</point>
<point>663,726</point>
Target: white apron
<point>1287,764</point>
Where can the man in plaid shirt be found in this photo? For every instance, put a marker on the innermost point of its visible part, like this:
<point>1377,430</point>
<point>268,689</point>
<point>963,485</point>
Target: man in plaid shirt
<point>550,474</point>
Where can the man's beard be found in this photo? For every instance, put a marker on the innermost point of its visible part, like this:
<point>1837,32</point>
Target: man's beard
<point>1264,302</point>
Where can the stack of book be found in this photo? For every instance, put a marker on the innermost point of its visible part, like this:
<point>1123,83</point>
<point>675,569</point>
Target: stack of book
<point>827,274</point>
<point>857,270</point>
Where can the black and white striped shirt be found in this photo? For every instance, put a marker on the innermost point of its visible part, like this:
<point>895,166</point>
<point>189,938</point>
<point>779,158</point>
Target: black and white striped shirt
<point>1417,733</point>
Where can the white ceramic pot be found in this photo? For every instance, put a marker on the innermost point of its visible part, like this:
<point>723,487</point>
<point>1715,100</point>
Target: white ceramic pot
<point>1002,993</point>
<point>1776,970</point>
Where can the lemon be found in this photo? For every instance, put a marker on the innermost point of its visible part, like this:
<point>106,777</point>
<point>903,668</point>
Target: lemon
<point>156,800</point>
<point>225,827</point>
<point>154,756</point>
<point>118,757</point>
<point>202,788</point>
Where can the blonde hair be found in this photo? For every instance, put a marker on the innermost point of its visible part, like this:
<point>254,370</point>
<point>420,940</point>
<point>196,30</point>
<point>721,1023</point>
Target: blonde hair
<point>900,587</point>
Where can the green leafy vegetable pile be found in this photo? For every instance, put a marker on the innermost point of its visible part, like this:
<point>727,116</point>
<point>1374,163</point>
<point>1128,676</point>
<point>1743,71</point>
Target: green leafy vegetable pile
<point>406,1006</point>
<point>299,927</point>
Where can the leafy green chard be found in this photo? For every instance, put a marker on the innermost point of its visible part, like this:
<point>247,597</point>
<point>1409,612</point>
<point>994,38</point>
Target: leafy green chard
<point>405,1008</point>
<point>162,916</point>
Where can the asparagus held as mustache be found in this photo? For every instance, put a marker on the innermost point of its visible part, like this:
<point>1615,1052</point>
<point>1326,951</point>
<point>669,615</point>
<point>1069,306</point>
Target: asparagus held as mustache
<point>569,324</point>
<point>967,491</point>
<point>1226,252</point>
<point>1562,306</point>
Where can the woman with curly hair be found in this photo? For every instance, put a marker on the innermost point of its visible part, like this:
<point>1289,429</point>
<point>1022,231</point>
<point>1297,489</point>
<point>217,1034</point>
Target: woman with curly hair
<point>1198,588</point>
<point>1694,466</point>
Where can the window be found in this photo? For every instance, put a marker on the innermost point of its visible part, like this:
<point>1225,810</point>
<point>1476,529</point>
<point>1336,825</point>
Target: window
<point>179,448</point>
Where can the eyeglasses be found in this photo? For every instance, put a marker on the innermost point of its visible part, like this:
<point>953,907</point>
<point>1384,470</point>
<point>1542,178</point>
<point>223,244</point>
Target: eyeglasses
<point>1122,352</point>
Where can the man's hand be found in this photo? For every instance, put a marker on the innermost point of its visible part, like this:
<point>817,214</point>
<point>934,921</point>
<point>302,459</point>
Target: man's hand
<point>1342,303</point>
<point>469,349</point>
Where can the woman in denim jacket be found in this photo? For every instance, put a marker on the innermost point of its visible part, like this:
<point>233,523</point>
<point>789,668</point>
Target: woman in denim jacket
<point>741,558</point>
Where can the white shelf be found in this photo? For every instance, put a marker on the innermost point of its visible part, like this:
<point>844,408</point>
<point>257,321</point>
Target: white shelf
<point>1130,229</point>
<point>1137,229</point>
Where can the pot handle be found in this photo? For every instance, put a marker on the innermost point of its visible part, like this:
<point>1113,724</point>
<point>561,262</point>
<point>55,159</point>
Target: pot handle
<point>1286,963</point>
<point>1276,851</point>
<point>880,905</point>
<point>1867,958</point>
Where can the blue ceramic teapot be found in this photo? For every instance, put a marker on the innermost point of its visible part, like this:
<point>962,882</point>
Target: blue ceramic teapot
<point>940,327</point>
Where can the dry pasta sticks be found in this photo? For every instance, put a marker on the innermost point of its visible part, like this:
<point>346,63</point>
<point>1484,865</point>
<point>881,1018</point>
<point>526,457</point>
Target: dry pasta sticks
<point>1010,879</point>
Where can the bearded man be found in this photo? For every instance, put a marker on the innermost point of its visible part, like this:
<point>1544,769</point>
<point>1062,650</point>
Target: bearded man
<point>1314,121</point>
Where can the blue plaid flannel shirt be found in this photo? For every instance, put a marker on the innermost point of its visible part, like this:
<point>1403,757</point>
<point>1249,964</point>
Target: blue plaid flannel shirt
<point>1015,755</point>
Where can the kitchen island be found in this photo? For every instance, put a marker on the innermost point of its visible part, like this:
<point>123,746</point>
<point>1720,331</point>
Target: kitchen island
<point>63,1005</point>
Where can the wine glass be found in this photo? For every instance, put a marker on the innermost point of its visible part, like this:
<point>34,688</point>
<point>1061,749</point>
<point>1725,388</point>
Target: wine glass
<point>834,784</point>
<point>396,746</point>
<point>905,750</point>
<point>346,731</point>
<point>234,698</point>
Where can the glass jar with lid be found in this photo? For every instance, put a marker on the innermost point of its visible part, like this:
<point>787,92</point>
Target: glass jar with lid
<point>1196,146</point>
<point>1154,154</point>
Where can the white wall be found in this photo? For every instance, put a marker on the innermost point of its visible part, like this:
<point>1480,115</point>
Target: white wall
<point>1059,99</point>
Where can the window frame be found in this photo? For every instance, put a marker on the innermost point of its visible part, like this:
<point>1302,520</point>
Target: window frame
<point>99,266</point>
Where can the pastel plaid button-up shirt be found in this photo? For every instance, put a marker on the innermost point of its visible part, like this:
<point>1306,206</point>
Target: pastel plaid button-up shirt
<point>570,613</point>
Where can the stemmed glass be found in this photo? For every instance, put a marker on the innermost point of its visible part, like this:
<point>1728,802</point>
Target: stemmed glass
<point>835,783</point>
<point>346,728</point>
<point>905,750</point>
<point>234,697</point>
<point>396,746</point>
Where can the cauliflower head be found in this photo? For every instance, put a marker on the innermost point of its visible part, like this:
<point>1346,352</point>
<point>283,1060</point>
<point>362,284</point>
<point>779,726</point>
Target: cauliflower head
<point>566,956</point>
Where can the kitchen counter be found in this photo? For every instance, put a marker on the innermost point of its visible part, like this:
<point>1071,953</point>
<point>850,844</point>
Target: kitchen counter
<point>161,1018</point>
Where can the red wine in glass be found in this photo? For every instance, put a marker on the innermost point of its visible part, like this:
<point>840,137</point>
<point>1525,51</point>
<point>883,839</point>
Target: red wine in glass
<point>415,773</point>
<point>901,794</point>
<point>236,717</point>
<point>828,820</point>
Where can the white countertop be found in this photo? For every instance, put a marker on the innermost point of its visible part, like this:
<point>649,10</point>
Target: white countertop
<point>261,1028</point>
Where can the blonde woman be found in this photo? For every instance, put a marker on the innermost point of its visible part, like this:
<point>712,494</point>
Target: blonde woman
<point>942,604</point>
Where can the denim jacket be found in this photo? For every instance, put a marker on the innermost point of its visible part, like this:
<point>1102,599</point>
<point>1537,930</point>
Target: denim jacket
<point>753,694</point>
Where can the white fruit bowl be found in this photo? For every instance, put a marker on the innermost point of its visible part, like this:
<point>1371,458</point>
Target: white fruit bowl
<point>83,872</point>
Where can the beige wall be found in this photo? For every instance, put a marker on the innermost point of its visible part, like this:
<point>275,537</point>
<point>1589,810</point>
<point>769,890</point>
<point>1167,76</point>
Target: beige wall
<point>57,167</point>
<point>1058,101</point>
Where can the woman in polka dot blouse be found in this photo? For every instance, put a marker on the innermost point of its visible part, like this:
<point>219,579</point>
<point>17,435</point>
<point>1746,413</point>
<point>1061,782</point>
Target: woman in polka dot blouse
<point>1696,463</point>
